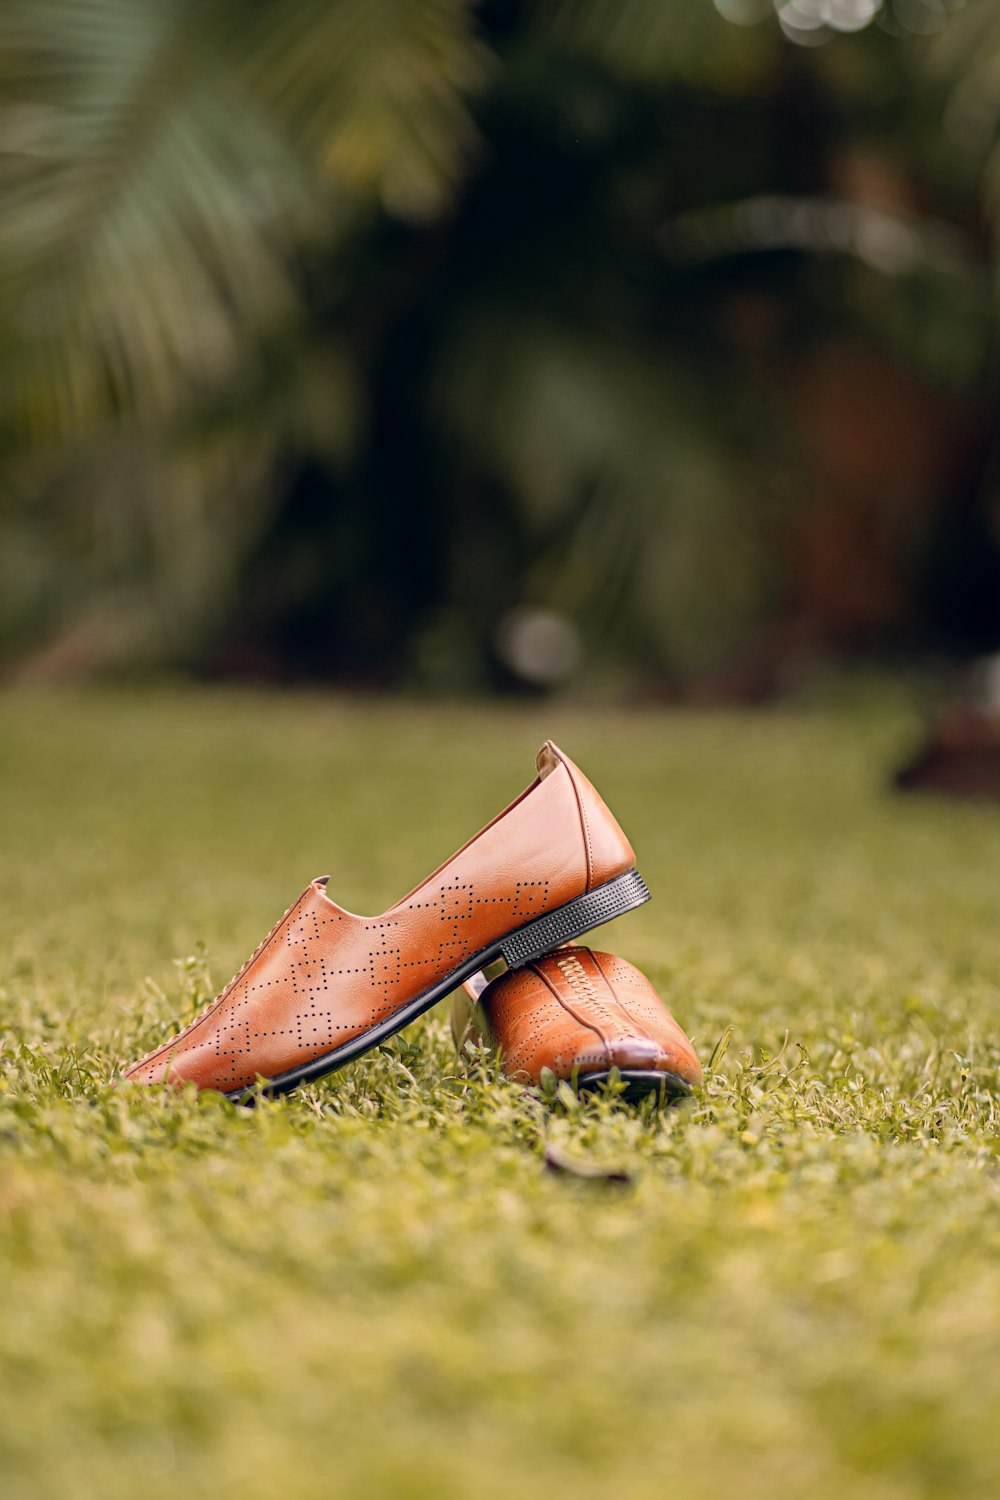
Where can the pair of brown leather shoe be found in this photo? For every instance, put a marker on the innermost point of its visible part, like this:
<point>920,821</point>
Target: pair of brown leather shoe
<point>326,985</point>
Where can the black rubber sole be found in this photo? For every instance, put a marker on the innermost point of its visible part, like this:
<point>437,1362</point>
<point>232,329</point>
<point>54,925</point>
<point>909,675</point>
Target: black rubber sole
<point>582,914</point>
<point>666,1088</point>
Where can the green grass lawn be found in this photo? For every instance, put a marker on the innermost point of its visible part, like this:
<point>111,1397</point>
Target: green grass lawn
<point>375,1286</point>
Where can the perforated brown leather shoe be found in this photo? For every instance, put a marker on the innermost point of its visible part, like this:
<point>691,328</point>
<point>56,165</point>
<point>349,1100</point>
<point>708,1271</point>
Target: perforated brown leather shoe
<point>326,985</point>
<point>578,1014</point>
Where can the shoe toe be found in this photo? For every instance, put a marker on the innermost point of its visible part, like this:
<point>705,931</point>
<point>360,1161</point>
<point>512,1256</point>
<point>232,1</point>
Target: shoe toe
<point>635,1052</point>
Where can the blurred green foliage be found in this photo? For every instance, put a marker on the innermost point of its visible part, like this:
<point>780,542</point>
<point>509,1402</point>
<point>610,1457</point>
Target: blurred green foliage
<point>342,337</point>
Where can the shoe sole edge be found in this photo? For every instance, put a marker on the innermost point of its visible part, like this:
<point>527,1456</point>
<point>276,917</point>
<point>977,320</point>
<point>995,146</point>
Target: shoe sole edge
<point>667,1088</point>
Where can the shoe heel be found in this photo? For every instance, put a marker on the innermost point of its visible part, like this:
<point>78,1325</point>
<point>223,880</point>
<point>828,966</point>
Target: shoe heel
<point>620,895</point>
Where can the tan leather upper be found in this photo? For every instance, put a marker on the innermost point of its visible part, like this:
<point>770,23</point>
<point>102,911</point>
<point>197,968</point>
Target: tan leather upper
<point>324,976</point>
<point>574,1011</point>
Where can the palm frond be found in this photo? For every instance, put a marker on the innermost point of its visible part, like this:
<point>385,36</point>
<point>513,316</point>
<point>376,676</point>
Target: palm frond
<point>163,163</point>
<point>148,215</point>
<point>373,91</point>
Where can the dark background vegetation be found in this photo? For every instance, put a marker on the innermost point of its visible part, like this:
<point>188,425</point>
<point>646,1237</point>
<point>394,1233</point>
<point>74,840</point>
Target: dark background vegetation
<point>635,345</point>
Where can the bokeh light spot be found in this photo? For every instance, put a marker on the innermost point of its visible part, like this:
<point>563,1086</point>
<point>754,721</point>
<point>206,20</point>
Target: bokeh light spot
<point>538,645</point>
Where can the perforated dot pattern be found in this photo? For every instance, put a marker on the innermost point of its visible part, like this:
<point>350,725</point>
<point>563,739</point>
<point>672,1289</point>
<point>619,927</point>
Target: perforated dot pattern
<point>323,975</point>
<point>534,1030</point>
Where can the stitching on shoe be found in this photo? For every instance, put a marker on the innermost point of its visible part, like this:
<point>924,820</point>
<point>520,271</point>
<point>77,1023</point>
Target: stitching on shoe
<point>582,985</point>
<point>562,1003</point>
<point>640,1027</point>
<point>584,827</point>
